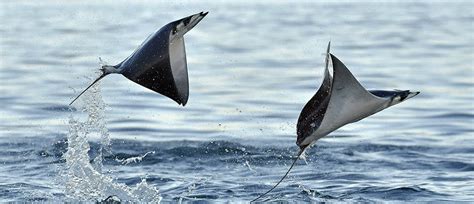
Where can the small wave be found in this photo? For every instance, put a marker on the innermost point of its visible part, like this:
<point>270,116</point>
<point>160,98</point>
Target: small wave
<point>59,108</point>
<point>457,165</point>
<point>371,147</point>
<point>311,193</point>
<point>14,191</point>
<point>453,115</point>
<point>197,197</point>
<point>130,181</point>
<point>402,193</point>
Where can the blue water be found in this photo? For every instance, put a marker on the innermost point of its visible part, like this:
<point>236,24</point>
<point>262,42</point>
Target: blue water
<point>252,67</point>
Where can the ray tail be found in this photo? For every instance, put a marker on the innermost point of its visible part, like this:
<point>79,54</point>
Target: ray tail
<point>284,176</point>
<point>95,81</point>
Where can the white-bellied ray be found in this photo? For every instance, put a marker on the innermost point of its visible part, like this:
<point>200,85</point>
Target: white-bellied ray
<point>159,63</point>
<point>340,100</point>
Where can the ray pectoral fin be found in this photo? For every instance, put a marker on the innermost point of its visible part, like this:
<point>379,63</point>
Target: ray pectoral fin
<point>327,55</point>
<point>179,69</point>
<point>284,176</point>
<point>95,81</point>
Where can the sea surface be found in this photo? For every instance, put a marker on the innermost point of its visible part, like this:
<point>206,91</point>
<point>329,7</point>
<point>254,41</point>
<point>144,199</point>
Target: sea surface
<point>252,67</point>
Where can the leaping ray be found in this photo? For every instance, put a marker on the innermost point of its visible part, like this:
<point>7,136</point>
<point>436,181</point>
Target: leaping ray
<point>340,100</point>
<point>159,63</point>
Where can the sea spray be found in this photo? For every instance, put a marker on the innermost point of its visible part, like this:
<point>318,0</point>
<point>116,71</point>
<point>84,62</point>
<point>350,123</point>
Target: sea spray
<point>85,181</point>
<point>133,159</point>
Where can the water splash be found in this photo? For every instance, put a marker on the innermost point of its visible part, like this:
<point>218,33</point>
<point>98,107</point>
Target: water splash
<point>83,179</point>
<point>133,159</point>
<point>247,164</point>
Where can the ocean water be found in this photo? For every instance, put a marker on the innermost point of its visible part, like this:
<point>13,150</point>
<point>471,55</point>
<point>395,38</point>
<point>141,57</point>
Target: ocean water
<point>252,67</point>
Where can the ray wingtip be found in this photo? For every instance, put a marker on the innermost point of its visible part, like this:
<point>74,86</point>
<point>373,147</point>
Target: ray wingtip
<point>328,49</point>
<point>414,93</point>
<point>182,102</point>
